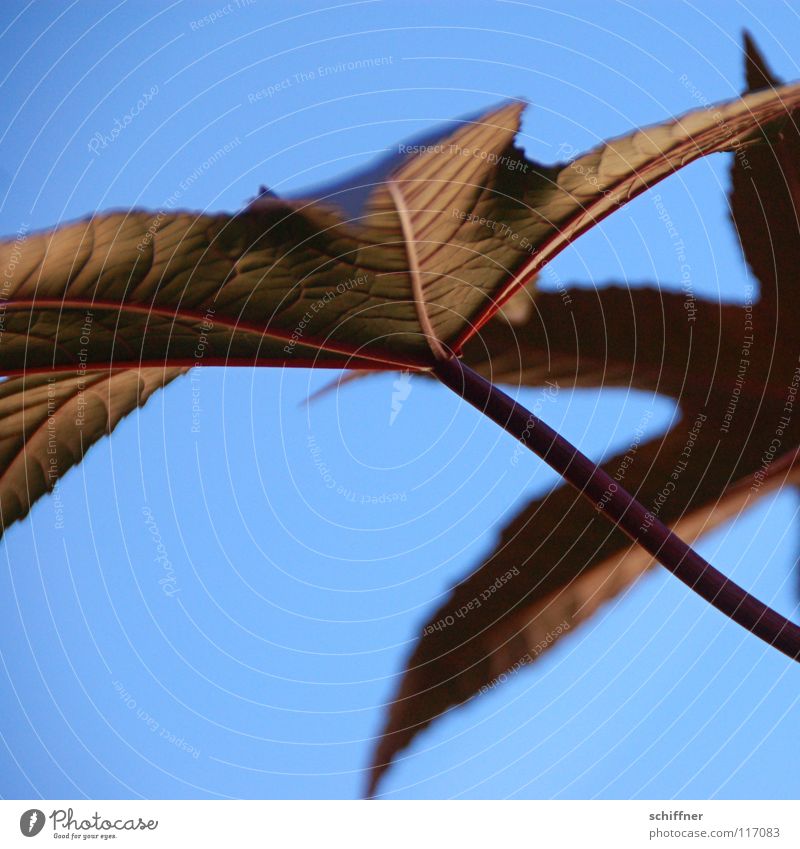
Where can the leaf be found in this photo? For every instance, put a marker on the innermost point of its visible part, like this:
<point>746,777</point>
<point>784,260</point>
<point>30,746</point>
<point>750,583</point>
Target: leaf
<point>440,243</point>
<point>558,561</point>
<point>454,231</point>
<point>448,233</point>
<point>146,288</point>
<point>49,421</point>
<point>727,364</point>
<point>765,201</point>
<point>615,336</point>
<point>281,283</point>
<point>533,608</point>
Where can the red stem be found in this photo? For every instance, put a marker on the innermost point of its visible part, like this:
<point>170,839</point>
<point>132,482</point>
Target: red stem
<point>622,508</point>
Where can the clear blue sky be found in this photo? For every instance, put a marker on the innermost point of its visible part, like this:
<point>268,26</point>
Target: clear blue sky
<point>266,672</point>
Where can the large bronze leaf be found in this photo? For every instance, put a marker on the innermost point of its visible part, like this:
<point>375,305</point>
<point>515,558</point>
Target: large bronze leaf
<point>452,232</point>
<point>452,229</point>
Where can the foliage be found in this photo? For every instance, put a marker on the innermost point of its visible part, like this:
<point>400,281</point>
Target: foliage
<point>434,253</point>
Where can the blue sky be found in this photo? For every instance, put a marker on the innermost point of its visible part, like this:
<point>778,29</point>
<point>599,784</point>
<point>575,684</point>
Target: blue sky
<point>293,606</point>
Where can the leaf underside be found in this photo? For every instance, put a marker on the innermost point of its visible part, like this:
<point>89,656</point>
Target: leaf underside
<point>49,421</point>
<point>294,282</point>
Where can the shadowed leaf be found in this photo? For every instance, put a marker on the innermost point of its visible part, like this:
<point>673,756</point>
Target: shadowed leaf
<point>764,202</point>
<point>558,561</point>
<point>735,378</point>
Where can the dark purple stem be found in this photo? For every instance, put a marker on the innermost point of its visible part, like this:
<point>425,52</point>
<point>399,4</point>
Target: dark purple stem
<point>622,508</point>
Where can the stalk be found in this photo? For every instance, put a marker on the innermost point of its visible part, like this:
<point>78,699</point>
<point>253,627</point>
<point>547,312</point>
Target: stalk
<point>633,518</point>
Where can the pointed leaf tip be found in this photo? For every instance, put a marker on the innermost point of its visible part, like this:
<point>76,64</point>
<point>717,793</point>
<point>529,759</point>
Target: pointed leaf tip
<point>757,73</point>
